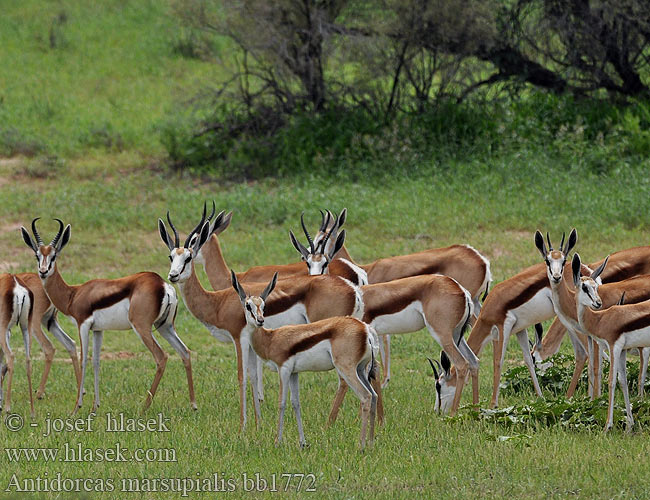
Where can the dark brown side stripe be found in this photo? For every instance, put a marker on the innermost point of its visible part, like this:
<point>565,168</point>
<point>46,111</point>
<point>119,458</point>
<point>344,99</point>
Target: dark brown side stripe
<point>528,293</point>
<point>622,273</point>
<point>395,304</point>
<point>309,342</point>
<point>635,324</point>
<point>276,303</point>
<point>111,299</point>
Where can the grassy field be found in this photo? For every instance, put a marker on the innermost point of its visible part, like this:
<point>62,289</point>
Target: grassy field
<point>86,91</point>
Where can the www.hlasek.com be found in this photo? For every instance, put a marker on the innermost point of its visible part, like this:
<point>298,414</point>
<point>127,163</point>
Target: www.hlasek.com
<point>215,483</point>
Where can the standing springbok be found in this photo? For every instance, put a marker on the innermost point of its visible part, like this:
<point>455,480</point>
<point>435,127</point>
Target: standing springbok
<point>345,344</point>
<point>16,307</point>
<point>620,327</point>
<point>139,302</point>
<point>636,290</point>
<point>622,265</point>
<point>298,300</point>
<point>45,317</point>
<point>461,262</point>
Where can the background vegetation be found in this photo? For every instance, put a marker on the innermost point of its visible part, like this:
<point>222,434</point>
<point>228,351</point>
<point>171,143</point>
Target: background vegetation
<point>99,100</point>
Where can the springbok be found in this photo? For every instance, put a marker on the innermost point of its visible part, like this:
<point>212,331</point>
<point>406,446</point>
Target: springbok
<point>16,308</point>
<point>298,300</point>
<point>637,289</point>
<point>139,302</point>
<point>622,265</point>
<point>620,327</point>
<point>461,262</point>
<point>45,317</point>
<point>345,344</point>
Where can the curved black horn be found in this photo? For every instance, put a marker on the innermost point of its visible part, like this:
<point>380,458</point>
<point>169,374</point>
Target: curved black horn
<point>323,242</point>
<point>322,220</point>
<point>433,367</point>
<point>171,224</point>
<point>55,240</point>
<point>304,228</point>
<point>548,239</point>
<point>198,227</point>
<point>214,209</point>
<point>39,241</point>
<point>562,242</point>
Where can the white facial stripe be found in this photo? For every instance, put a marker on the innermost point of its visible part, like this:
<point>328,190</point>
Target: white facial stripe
<point>181,265</point>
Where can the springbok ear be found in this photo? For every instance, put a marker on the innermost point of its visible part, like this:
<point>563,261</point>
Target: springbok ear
<point>65,238</point>
<point>224,222</point>
<point>200,241</point>
<point>338,245</point>
<point>433,367</point>
<point>599,269</point>
<point>575,268</point>
<point>342,216</point>
<point>573,239</point>
<point>445,363</point>
<point>269,288</point>
<point>28,239</point>
<point>539,243</point>
<point>235,284</point>
<point>302,250</point>
<point>164,235</point>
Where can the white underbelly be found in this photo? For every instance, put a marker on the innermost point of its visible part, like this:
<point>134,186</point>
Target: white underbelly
<point>315,359</point>
<point>115,317</point>
<point>538,309</point>
<point>637,338</point>
<point>410,319</point>
<point>295,315</point>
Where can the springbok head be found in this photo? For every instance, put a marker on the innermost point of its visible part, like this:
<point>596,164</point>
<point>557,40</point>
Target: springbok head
<point>181,257</point>
<point>445,383</point>
<point>587,286</point>
<point>46,254</point>
<point>555,259</point>
<point>253,306</point>
<point>319,255</point>
<point>217,226</point>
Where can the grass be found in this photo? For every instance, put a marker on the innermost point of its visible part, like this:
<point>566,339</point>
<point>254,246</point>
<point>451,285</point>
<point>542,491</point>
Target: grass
<point>88,90</point>
<point>417,452</point>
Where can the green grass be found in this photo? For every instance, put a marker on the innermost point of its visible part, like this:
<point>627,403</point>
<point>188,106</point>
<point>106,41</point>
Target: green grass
<point>113,216</point>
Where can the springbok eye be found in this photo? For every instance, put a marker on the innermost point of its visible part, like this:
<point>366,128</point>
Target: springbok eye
<point>325,264</point>
<point>250,310</point>
<point>171,259</point>
<point>584,288</point>
<point>188,259</point>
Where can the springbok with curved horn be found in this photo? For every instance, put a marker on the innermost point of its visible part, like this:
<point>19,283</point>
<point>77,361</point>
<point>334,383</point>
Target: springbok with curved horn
<point>16,305</point>
<point>298,300</point>
<point>620,327</point>
<point>218,272</point>
<point>460,262</point>
<point>345,344</point>
<point>139,302</point>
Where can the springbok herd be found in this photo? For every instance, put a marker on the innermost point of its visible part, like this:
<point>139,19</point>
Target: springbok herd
<point>327,312</point>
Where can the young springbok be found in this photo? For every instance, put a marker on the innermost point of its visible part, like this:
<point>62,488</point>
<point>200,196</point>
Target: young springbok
<point>298,300</point>
<point>620,327</point>
<point>461,262</point>
<point>139,302</point>
<point>16,306</point>
<point>345,344</point>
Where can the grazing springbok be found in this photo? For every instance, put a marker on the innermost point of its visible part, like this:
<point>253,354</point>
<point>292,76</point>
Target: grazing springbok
<point>637,289</point>
<point>620,327</point>
<point>139,302</point>
<point>621,266</point>
<point>297,300</point>
<point>16,308</point>
<point>461,262</point>
<point>345,344</point>
<point>45,317</point>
